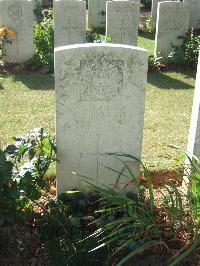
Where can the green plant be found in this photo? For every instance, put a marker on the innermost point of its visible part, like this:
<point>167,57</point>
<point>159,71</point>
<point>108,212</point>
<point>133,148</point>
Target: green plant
<point>194,189</point>
<point>44,43</point>
<point>6,36</point>
<point>155,63</point>
<point>133,223</point>
<point>128,221</point>
<point>149,25</point>
<point>193,200</point>
<point>8,190</point>
<point>93,37</point>
<point>23,166</point>
<point>62,239</point>
<point>187,54</point>
<point>32,156</point>
<point>38,11</point>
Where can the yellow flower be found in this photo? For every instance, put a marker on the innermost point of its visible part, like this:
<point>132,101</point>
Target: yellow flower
<point>3,31</point>
<point>10,33</point>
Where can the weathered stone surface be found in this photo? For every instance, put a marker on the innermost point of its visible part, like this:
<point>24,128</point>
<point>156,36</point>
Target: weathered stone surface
<point>122,19</point>
<point>69,22</point>
<point>154,8</point>
<point>194,132</point>
<point>194,13</point>
<point>97,14</point>
<point>172,24</point>
<point>100,94</point>
<point>18,16</point>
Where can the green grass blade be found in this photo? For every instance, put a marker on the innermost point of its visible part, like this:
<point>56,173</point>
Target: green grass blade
<point>138,250</point>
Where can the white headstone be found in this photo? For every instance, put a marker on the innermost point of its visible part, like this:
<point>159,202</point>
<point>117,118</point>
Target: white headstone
<point>100,94</point>
<point>69,22</point>
<point>97,14</point>
<point>172,24</point>
<point>194,133</point>
<point>194,13</point>
<point>154,8</point>
<point>18,16</point>
<point>122,19</point>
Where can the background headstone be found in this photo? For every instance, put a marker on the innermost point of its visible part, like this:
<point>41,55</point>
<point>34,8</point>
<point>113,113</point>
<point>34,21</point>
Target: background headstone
<point>100,94</point>
<point>194,132</point>
<point>194,13</point>
<point>122,20</point>
<point>18,16</point>
<point>97,14</point>
<point>154,8</point>
<point>172,24</point>
<point>69,22</point>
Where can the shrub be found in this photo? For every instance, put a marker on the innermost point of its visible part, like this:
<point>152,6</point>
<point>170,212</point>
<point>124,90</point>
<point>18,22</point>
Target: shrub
<point>149,25</point>
<point>132,223</point>
<point>38,11</point>
<point>44,43</point>
<point>155,63</point>
<point>93,37</point>
<point>8,190</point>
<point>63,227</point>
<point>187,54</point>
<point>23,166</point>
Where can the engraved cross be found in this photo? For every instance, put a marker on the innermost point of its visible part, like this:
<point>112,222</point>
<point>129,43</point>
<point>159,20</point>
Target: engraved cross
<point>98,156</point>
<point>69,27</point>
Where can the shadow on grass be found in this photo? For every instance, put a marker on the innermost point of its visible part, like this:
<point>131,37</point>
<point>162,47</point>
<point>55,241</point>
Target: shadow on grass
<point>147,35</point>
<point>35,81</point>
<point>163,81</point>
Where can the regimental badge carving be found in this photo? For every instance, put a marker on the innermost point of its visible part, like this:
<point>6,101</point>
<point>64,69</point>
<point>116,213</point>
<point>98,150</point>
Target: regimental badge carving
<point>15,12</point>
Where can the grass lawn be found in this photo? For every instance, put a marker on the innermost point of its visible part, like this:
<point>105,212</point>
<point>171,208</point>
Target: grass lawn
<point>147,41</point>
<point>28,101</point>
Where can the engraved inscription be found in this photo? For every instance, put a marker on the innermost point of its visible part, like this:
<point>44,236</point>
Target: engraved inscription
<point>70,29</point>
<point>15,12</point>
<point>98,77</point>
<point>172,23</point>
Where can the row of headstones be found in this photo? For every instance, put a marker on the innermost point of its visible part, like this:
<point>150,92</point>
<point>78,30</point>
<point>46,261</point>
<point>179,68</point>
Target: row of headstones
<point>121,19</point>
<point>100,96</point>
<point>194,6</point>
<point>70,24</point>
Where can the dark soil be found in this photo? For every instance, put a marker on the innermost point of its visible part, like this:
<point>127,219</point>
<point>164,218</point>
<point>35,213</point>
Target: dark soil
<point>21,68</point>
<point>20,244</point>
